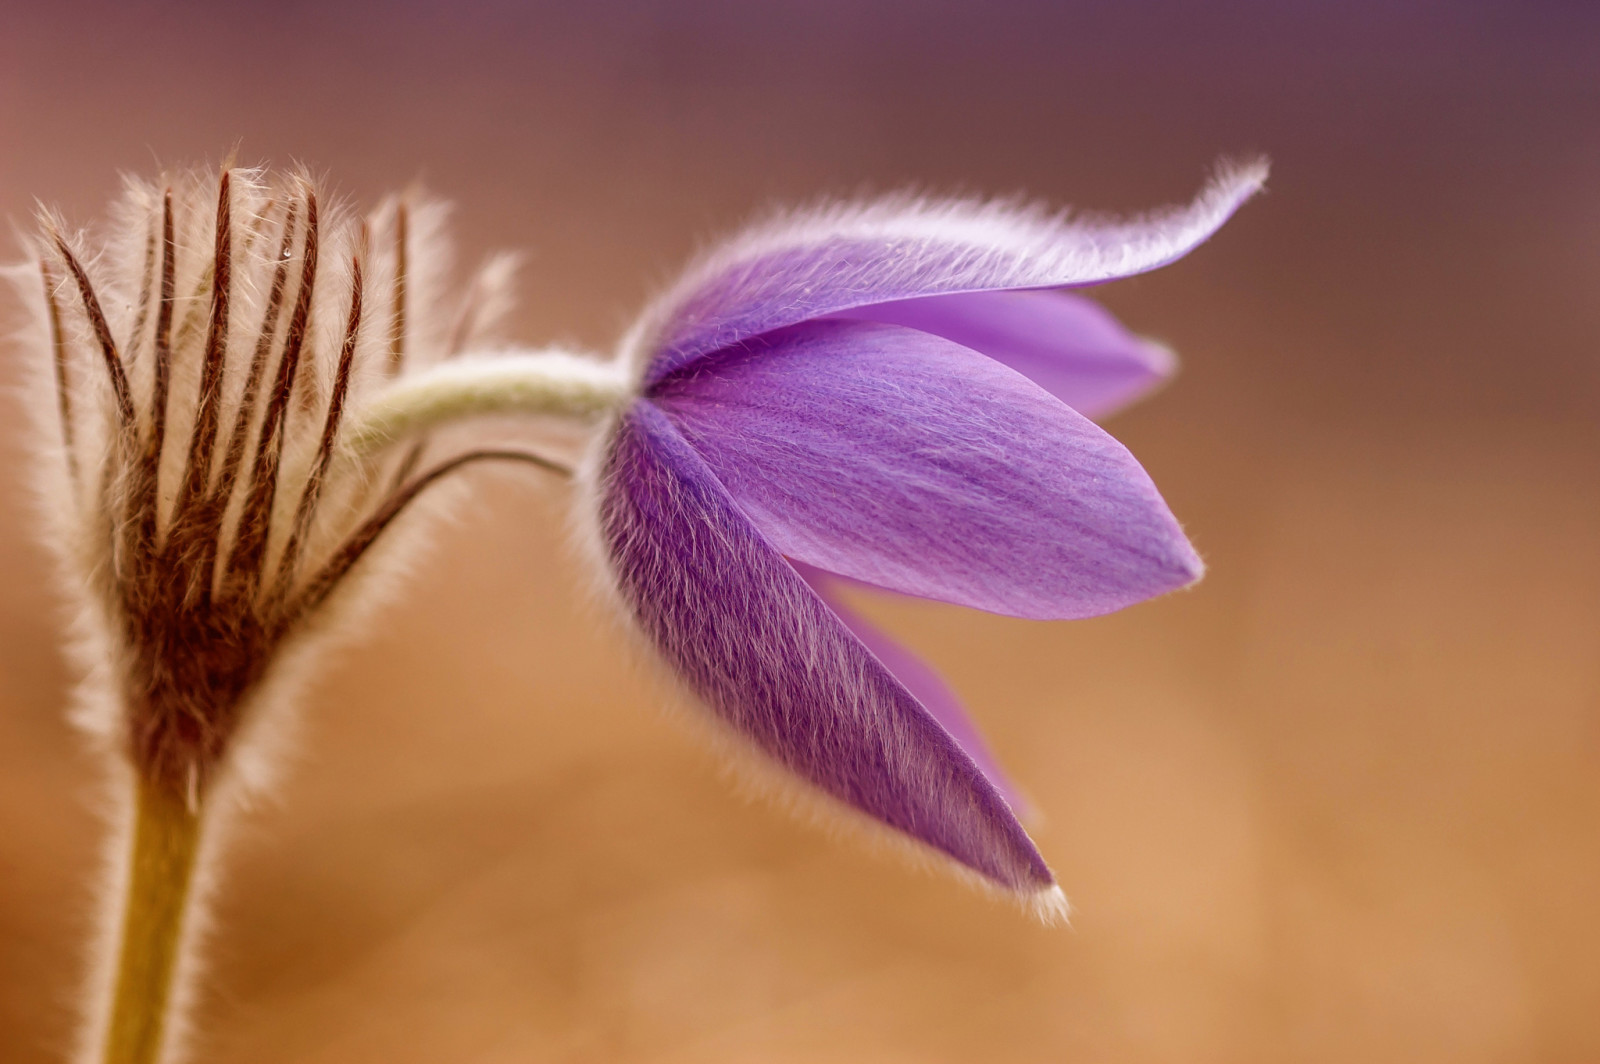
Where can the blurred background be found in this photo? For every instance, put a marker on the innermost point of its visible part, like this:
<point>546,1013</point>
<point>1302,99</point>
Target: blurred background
<point>1339,803</point>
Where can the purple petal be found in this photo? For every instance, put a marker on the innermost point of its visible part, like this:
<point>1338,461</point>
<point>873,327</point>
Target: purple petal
<point>923,683</point>
<point>777,666</point>
<point>824,263</point>
<point>903,460</point>
<point>1068,345</point>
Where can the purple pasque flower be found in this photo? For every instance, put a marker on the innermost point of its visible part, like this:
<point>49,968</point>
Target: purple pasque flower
<point>897,395</point>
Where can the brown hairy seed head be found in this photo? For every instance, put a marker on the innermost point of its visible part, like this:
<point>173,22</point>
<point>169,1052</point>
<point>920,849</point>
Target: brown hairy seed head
<point>203,361</point>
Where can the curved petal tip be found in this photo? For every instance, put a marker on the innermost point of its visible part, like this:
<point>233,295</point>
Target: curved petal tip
<point>1163,360</point>
<point>1050,907</point>
<point>1233,182</point>
<point>1193,566</point>
<point>840,256</point>
<point>1236,180</point>
<point>1167,235</point>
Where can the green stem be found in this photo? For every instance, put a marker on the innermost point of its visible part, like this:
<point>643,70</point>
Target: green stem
<point>540,383</point>
<point>161,863</point>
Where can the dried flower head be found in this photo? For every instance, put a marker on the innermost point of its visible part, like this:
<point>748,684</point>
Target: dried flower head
<point>203,360</point>
<point>202,497</point>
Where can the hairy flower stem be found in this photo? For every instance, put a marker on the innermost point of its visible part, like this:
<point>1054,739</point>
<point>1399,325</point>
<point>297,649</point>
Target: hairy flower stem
<point>161,862</point>
<point>550,382</point>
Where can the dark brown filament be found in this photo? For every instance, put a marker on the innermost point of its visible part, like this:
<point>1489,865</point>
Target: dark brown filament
<point>351,551</point>
<point>197,469</point>
<point>234,459</point>
<point>242,575</point>
<point>136,334</point>
<point>408,464</point>
<point>102,333</point>
<point>312,493</point>
<point>144,500</point>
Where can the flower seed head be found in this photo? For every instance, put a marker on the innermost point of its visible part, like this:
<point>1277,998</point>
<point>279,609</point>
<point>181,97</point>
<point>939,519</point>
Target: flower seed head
<point>204,356</point>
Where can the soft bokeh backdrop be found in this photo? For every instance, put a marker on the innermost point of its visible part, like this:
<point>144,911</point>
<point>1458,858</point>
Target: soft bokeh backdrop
<point>1340,803</point>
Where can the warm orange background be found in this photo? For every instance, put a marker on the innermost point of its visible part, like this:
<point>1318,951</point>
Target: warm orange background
<point>1337,804</point>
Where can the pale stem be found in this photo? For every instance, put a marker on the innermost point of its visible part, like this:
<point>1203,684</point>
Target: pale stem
<point>550,383</point>
<point>161,861</point>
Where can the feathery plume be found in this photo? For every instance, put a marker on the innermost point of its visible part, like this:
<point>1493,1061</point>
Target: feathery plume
<point>207,513</point>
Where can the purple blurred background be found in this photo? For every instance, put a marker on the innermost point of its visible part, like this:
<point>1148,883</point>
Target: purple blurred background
<point>1338,803</point>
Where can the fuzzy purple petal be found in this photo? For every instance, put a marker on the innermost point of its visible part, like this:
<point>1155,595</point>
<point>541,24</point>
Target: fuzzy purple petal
<point>776,665</point>
<point>925,684</point>
<point>835,260</point>
<point>1067,344</point>
<point>904,460</point>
